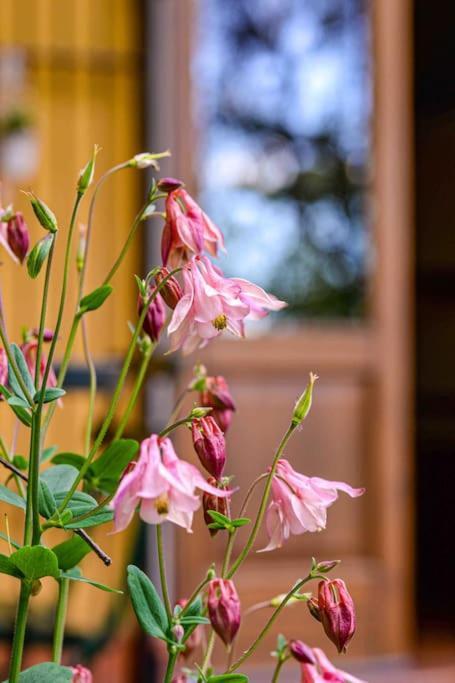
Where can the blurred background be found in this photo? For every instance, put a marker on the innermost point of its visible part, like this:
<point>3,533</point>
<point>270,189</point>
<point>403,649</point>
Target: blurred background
<point>319,134</point>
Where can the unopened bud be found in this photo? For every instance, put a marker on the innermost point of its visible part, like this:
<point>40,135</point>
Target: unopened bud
<point>155,317</point>
<point>48,334</point>
<point>209,444</point>
<point>169,184</point>
<point>198,412</point>
<point>217,395</point>
<point>17,236</point>
<point>178,632</point>
<point>45,216</point>
<point>86,174</point>
<point>80,254</point>
<point>147,160</point>
<point>303,405</point>
<point>224,609</point>
<point>171,290</point>
<point>337,612</point>
<point>326,566</point>
<point>313,607</point>
<point>81,675</point>
<point>301,652</point>
<point>212,502</point>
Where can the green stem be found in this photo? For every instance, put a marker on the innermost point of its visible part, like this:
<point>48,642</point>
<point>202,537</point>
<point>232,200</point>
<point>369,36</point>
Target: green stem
<point>135,392</point>
<point>263,506</point>
<point>19,633</point>
<point>167,430</point>
<point>227,554</point>
<point>279,665</point>
<point>270,623</point>
<point>7,462</point>
<point>126,246</point>
<point>170,667</point>
<point>117,392</point>
<point>92,387</point>
<point>42,323</point>
<point>194,595</point>
<point>162,567</point>
<point>208,653</point>
<point>32,532</point>
<point>60,619</point>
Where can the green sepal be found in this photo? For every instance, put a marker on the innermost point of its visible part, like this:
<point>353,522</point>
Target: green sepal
<point>94,300</point>
<point>38,255</point>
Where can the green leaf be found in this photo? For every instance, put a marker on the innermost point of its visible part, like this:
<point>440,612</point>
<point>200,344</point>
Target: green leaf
<point>20,462</point>
<point>4,391</point>
<point>59,478</point>
<point>50,394</point>
<point>48,453</point>
<point>46,501</point>
<point>195,619</point>
<point>228,678</point>
<point>81,504</point>
<point>69,553</point>
<point>240,521</point>
<point>21,413</point>
<point>12,498</point>
<point>73,459</point>
<point>108,468</point>
<point>24,372</point>
<point>8,567</point>
<point>219,518</point>
<point>45,673</point>
<point>100,517</point>
<point>195,608</point>
<point>38,255</point>
<point>95,299</point>
<point>147,604</point>
<point>75,576</point>
<point>35,562</point>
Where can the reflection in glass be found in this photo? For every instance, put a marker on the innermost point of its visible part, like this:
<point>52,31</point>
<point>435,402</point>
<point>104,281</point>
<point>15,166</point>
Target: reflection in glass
<point>282,108</point>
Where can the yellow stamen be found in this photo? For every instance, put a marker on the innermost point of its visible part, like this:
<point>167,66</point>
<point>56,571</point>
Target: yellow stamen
<point>162,504</point>
<point>220,322</point>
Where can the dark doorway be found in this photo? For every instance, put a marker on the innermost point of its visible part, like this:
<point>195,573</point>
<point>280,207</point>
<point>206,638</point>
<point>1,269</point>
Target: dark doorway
<point>435,281</point>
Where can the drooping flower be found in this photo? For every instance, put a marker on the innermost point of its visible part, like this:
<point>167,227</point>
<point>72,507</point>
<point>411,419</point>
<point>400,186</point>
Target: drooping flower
<point>209,444</point>
<point>216,395</point>
<point>212,303</point>
<point>155,317</point>
<point>171,290</point>
<point>302,652</point>
<point>188,230</point>
<point>337,612</point>
<point>323,670</point>
<point>162,485</point>
<point>18,236</point>
<point>223,605</point>
<point>81,674</point>
<point>300,503</point>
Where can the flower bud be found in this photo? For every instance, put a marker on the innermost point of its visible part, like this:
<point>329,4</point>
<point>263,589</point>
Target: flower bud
<point>326,566</point>
<point>313,607</point>
<point>81,674</point>
<point>337,612</point>
<point>155,317</point>
<point>48,334</point>
<point>17,236</point>
<point>209,444</point>
<point>146,159</point>
<point>301,652</point>
<point>178,632</point>
<point>303,405</point>
<point>211,502</point>
<point>43,213</point>
<point>169,184</point>
<point>224,609</point>
<point>82,244</point>
<point>216,394</point>
<point>198,411</point>
<point>86,174</point>
<point>171,291</point>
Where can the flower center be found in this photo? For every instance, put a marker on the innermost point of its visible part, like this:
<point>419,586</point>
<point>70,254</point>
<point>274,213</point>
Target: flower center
<point>220,322</point>
<point>162,504</point>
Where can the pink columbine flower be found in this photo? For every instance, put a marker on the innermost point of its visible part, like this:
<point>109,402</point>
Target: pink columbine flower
<point>337,612</point>
<point>4,233</point>
<point>300,503</point>
<point>209,444</point>
<point>212,303</point>
<point>81,674</point>
<point>18,236</point>
<point>324,671</point>
<point>188,230</point>
<point>155,317</point>
<point>163,486</point>
<point>223,606</point>
<point>216,395</point>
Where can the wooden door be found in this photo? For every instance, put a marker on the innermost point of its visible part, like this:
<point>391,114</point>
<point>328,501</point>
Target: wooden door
<point>360,427</point>
<point>80,83</point>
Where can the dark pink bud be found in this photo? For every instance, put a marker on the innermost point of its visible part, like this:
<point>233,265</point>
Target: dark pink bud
<point>48,334</point>
<point>17,236</point>
<point>81,674</point>
<point>171,291</point>
<point>169,184</point>
<point>212,502</point>
<point>337,612</point>
<point>301,652</point>
<point>209,444</point>
<point>216,395</point>
<point>155,318</point>
<point>224,609</point>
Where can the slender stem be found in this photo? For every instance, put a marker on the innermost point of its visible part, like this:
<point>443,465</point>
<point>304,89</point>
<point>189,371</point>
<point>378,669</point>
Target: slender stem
<point>135,392</point>
<point>94,546</point>
<point>162,567</point>
<point>126,246</point>
<point>227,554</point>
<point>270,622</point>
<point>279,665</point>
<point>9,466</point>
<point>170,667</point>
<point>42,323</point>
<point>92,386</point>
<point>250,492</point>
<point>170,428</point>
<point>6,462</point>
<point>60,619</point>
<point>208,653</point>
<point>177,406</point>
<point>19,633</point>
<point>200,587</point>
<point>262,508</point>
<point>117,392</point>
<point>32,531</point>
